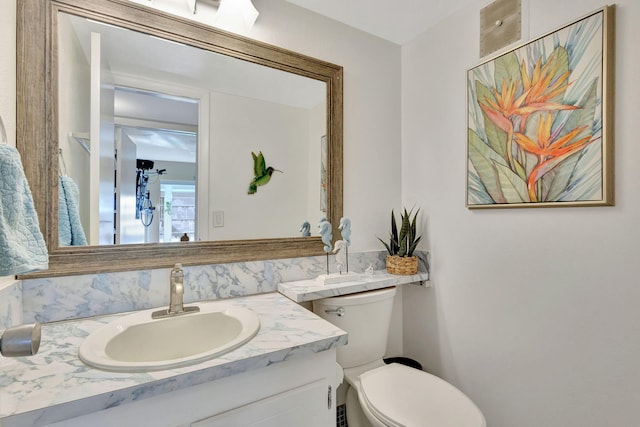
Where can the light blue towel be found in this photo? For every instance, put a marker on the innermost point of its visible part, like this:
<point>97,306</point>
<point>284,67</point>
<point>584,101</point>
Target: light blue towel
<point>22,247</point>
<point>64,226</point>
<point>69,225</point>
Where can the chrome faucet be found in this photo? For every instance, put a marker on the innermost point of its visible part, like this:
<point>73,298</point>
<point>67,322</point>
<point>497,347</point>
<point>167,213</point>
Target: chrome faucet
<point>176,294</point>
<point>176,305</point>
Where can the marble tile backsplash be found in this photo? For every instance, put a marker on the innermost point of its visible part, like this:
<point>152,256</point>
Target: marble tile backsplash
<point>71,297</point>
<point>10,304</point>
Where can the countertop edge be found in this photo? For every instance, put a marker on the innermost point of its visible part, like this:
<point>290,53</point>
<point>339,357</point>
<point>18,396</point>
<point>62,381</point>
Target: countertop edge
<point>310,290</point>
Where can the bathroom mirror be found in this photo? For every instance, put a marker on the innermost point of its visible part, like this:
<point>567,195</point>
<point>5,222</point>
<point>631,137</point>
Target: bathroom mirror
<point>43,129</point>
<point>182,121</point>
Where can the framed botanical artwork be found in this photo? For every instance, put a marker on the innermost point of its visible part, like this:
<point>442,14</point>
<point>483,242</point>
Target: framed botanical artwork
<point>540,120</point>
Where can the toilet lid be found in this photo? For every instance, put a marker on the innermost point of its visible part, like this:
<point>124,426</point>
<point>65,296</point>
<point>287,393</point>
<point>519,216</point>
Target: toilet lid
<point>402,396</point>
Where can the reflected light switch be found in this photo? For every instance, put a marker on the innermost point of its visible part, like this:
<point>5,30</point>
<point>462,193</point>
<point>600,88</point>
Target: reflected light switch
<point>218,218</point>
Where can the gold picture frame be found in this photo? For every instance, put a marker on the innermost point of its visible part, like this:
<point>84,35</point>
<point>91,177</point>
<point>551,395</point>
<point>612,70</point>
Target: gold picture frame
<point>540,120</point>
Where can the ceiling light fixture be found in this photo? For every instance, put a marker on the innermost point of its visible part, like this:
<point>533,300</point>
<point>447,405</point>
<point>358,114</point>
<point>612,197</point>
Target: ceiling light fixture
<point>237,16</point>
<point>193,4</point>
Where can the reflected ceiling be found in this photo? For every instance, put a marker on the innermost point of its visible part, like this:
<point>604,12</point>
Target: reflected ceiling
<point>163,127</point>
<point>194,67</point>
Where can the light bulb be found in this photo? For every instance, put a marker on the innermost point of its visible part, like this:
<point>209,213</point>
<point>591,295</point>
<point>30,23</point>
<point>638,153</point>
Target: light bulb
<point>237,16</point>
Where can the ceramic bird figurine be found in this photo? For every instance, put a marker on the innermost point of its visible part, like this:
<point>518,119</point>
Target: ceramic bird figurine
<point>305,228</point>
<point>261,172</point>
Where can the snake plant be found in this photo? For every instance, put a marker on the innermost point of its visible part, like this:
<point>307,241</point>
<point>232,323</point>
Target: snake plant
<point>404,241</point>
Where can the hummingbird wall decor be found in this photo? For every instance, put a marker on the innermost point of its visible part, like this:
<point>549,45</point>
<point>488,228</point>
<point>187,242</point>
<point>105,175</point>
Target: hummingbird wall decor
<point>261,172</point>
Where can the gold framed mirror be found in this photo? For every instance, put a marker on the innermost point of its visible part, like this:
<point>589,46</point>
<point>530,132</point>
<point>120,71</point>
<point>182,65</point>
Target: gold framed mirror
<point>38,133</point>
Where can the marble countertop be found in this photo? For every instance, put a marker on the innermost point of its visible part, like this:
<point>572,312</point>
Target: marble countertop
<point>35,390</point>
<point>312,289</point>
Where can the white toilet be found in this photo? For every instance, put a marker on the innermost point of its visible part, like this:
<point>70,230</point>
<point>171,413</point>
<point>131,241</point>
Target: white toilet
<point>384,395</point>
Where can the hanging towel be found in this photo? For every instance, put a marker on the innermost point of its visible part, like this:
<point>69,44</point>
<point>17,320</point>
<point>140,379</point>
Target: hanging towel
<point>69,225</point>
<point>64,226</point>
<point>22,247</point>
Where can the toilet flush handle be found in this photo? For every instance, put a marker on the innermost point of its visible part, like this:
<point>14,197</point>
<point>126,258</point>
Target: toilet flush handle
<point>338,311</point>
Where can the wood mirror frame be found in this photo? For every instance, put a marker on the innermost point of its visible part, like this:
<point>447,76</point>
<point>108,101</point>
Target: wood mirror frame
<point>37,133</point>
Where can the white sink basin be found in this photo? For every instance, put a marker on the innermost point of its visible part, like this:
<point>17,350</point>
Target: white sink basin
<point>138,343</point>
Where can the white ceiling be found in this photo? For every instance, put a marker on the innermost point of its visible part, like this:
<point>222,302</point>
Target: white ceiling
<point>398,21</point>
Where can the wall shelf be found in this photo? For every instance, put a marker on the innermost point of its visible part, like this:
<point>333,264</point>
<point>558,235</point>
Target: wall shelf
<point>83,139</point>
<point>312,289</point>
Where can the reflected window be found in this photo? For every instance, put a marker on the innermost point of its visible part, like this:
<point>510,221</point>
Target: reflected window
<point>178,219</point>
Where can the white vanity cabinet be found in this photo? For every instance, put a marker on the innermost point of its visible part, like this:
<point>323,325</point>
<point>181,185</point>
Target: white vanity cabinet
<point>300,406</point>
<point>296,392</point>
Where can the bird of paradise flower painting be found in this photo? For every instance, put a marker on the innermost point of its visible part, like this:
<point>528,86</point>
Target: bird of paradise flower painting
<point>535,124</point>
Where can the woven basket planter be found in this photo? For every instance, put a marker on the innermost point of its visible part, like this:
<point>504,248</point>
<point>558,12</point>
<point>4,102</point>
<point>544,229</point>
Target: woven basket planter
<point>402,265</point>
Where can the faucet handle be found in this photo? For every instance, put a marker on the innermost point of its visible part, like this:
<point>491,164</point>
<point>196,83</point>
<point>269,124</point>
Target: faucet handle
<point>177,275</point>
<point>22,340</point>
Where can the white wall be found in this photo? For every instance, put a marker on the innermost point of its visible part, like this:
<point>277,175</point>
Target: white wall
<point>73,114</point>
<point>534,313</point>
<point>8,77</point>
<point>317,129</point>
<point>238,127</point>
<point>8,68</point>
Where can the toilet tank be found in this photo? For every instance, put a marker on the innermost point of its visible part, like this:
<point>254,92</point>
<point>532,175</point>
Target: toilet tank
<point>366,318</point>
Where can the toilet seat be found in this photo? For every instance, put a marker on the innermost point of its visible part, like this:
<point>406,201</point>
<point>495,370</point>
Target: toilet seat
<point>398,395</point>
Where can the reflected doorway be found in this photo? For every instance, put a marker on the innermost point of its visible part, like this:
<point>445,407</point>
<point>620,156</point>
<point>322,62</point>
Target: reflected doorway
<point>155,167</point>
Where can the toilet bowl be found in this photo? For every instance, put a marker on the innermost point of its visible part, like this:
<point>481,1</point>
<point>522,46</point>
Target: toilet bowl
<point>397,395</point>
<point>382,395</point>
